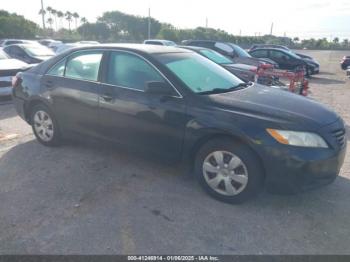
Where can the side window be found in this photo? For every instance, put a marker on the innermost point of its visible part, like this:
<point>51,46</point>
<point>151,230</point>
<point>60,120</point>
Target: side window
<point>153,43</point>
<point>84,65</point>
<point>8,50</point>
<point>17,51</point>
<point>279,55</point>
<point>260,53</point>
<point>58,69</point>
<point>130,71</point>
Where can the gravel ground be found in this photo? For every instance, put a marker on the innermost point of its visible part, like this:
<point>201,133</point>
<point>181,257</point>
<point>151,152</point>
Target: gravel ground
<point>84,199</point>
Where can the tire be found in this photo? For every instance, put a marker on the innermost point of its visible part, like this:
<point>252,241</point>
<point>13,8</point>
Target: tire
<point>45,126</point>
<point>243,170</point>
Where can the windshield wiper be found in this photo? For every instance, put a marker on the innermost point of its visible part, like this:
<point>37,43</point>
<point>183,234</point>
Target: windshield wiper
<point>226,90</point>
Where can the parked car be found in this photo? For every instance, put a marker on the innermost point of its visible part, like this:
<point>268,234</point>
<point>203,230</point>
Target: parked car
<point>159,42</point>
<point>6,42</point>
<point>312,66</point>
<point>345,62</point>
<point>286,60</point>
<point>244,72</point>
<point>232,51</point>
<point>257,46</point>
<point>31,54</point>
<point>49,42</point>
<point>88,42</point>
<point>8,69</point>
<point>176,104</point>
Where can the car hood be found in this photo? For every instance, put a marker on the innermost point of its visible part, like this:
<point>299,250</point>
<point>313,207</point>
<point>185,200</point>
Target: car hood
<point>274,105</point>
<point>10,64</point>
<point>304,56</point>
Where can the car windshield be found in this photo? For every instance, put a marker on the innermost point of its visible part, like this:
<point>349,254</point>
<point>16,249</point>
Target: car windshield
<point>199,74</point>
<point>38,51</point>
<point>240,51</point>
<point>3,55</point>
<point>215,57</point>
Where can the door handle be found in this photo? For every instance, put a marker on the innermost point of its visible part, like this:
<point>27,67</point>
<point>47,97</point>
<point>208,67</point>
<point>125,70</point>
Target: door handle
<point>107,97</point>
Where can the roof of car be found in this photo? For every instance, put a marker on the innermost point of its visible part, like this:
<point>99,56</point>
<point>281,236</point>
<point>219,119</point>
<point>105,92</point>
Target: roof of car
<point>270,48</point>
<point>150,49</point>
<point>195,48</point>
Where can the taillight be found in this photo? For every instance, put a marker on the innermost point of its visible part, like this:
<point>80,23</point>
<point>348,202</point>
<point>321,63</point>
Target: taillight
<point>16,80</point>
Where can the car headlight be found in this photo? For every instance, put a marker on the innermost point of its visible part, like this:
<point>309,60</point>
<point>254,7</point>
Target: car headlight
<point>296,138</point>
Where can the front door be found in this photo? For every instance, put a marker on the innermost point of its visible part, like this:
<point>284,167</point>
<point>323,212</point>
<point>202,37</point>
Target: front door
<point>130,116</point>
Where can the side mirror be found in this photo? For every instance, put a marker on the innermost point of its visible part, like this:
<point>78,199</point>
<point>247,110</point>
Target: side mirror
<point>159,88</point>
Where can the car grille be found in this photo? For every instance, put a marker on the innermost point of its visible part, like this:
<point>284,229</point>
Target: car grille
<point>340,135</point>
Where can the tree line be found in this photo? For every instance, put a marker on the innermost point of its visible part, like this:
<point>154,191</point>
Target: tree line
<point>115,26</point>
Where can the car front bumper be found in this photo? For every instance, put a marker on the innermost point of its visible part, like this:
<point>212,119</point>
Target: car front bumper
<point>292,172</point>
<point>5,91</point>
<point>5,85</point>
<point>292,169</point>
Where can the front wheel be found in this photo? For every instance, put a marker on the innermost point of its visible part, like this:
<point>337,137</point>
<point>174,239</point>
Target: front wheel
<point>229,171</point>
<point>45,126</point>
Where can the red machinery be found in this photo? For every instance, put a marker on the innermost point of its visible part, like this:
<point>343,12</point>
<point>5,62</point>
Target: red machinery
<point>294,81</point>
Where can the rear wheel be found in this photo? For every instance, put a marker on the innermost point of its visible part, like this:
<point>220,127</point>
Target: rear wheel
<point>228,171</point>
<point>45,126</point>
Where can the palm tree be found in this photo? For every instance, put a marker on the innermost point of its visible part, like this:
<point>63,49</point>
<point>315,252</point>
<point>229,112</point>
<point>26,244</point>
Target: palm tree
<point>83,20</point>
<point>50,22</point>
<point>76,16</point>
<point>42,12</point>
<point>49,10</point>
<point>54,12</point>
<point>69,18</point>
<point>60,16</point>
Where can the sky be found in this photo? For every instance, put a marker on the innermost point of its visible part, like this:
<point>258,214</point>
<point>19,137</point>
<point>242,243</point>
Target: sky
<point>303,19</point>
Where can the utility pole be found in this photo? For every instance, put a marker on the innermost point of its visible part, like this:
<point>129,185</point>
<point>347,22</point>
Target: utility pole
<point>240,32</point>
<point>149,23</point>
<point>271,28</point>
<point>43,14</point>
<point>206,22</point>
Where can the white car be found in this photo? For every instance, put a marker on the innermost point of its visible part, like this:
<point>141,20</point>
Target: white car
<point>6,42</point>
<point>8,68</point>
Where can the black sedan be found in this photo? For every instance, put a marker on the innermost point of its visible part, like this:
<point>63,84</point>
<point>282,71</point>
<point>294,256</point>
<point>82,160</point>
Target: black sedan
<point>178,105</point>
<point>287,60</point>
<point>31,54</point>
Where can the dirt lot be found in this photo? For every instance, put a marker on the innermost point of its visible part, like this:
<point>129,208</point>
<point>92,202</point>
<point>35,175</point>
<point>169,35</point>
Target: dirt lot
<point>80,199</point>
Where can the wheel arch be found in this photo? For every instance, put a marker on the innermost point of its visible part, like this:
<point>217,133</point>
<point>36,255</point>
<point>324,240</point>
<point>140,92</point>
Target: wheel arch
<point>200,142</point>
<point>28,107</point>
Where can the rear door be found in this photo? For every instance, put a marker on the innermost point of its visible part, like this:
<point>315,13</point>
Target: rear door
<point>284,60</point>
<point>130,116</point>
<point>73,87</point>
